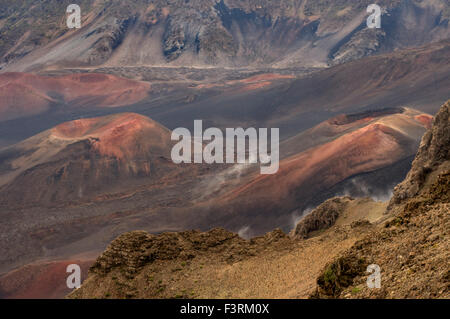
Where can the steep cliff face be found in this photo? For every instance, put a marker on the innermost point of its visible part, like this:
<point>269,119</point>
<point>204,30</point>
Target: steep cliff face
<point>212,32</point>
<point>431,163</point>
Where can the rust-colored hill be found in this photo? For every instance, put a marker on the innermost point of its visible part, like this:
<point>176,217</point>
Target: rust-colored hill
<point>85,158</point>
<point>25,94</point>
<point>340,149</point>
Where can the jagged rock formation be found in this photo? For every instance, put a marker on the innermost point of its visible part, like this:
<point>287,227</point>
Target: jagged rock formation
<point>23,94</point>
<point>138,264</point>
<point>132,251</point>
<point>322,217</point>
<point>432,160</point>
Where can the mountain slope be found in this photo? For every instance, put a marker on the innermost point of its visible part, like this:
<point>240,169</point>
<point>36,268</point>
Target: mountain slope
<point>211,32</point>
<point>106,168</point>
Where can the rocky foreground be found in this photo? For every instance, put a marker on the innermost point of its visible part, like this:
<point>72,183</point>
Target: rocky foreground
<point>325,256</point>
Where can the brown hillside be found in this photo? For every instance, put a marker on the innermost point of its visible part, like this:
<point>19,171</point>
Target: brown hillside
<point>220,264</point>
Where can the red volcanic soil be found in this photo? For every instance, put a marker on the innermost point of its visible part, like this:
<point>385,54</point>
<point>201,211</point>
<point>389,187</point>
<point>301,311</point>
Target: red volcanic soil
<point>248,84</point>
<point>117,135</point>
<point>25,94</point>
<point>360,151</point>
<point>265,77</point>
<point>18,100</point>
<point>258,81</point>
<point>425,119</point>
<point>87,158</point>
<point>45,280</point>
<point>256,86</point>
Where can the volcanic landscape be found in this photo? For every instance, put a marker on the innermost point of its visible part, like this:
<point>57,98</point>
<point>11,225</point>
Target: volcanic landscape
<point>86,118</point>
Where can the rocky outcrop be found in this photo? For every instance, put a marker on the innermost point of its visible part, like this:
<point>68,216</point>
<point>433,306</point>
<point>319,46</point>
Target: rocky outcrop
<point>131,251</point>
<point>321,218</point>
<point>432,158</point>
<point>135,249</point>
<point>140,264</point>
